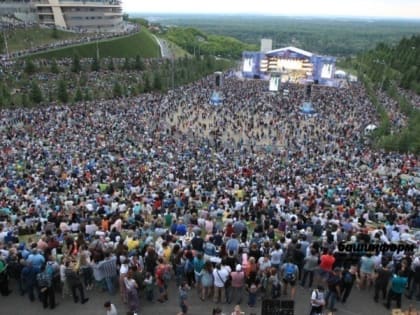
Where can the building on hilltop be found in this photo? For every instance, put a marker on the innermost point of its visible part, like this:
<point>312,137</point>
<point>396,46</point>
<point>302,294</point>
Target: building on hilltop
<point>78,15</point>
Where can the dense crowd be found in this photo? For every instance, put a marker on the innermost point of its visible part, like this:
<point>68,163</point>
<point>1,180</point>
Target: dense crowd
<point>240,201</point>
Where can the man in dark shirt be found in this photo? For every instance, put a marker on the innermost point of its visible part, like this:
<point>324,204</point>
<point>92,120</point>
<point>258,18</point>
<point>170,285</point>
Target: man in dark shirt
<point>73,280</point>
<point>382,277</point>
<point>333,293</point>
<point>197,243</point>
<point>44,281</point>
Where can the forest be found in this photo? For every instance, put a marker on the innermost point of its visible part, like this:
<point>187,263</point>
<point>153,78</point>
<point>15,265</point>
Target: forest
<point>389,68</point>
<point>329,36</point>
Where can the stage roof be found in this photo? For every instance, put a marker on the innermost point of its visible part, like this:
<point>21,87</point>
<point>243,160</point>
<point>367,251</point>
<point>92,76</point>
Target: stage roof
<point>291,49</point>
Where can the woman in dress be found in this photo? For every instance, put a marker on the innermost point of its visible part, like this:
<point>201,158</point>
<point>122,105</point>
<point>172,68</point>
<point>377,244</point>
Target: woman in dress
<point>206,280</point>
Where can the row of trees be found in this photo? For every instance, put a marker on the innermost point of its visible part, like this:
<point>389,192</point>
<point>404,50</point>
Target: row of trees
<point>73,85</point>
<point>387,68</point>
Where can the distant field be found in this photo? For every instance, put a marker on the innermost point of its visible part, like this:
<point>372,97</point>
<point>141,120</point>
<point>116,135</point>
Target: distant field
<point>330,36</point>
<point>21,39</point>
<point>141,44</point>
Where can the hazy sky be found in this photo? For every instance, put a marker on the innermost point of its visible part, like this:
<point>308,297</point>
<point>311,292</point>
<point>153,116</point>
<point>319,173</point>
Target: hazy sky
<point>362,8</point>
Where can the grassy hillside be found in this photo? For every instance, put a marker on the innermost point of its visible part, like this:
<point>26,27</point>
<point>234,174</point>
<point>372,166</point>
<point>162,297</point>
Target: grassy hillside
<point>141,44</point>
<point>21,39</point>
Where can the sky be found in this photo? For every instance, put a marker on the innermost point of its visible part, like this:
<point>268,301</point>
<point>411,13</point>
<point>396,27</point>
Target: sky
<point>351,8</point>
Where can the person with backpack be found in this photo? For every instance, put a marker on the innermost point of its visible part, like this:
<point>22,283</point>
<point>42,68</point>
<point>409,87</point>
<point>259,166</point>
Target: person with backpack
<point>317,301</point>
<point>44,282</point>
<point>290,274</point>
<point>347,281</point>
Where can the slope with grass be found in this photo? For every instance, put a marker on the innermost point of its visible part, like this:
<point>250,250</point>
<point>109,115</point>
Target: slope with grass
<point>22,39</point>
<point>142,44</point>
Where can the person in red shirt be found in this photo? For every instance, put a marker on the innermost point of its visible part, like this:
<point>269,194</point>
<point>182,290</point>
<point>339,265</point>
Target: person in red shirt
<point>326,264</point>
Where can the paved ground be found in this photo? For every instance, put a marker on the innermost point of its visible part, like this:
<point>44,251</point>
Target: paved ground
<point>359,303</point>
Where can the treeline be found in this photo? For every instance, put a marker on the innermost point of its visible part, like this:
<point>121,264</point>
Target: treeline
<point>199,43</point>
<point>336,37</point>
<point>387,68</point>
<point>127,77</point>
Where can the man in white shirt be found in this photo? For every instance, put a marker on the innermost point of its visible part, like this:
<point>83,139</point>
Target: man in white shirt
<point>220,276</point>
<point>317,301</point>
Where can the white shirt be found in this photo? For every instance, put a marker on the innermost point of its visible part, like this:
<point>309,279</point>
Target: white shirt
<point>112,310</point>
<point>220,277</point>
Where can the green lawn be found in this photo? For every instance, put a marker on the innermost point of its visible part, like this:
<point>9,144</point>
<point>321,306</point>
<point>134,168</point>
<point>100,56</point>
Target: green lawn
<point>141,43</point>
<point>21,39</point>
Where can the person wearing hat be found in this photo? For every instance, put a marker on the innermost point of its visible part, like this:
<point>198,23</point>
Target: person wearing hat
<point>238,282</point>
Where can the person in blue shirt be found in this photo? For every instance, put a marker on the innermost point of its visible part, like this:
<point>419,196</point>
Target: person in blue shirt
<point>398,285</point>
<point>181,228</point>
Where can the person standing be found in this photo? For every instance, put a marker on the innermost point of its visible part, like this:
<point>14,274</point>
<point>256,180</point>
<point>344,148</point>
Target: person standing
<point>347,281</point>
<point>183,298</point>
<point>44,281</point>
<point>74,282</point>
<point>382,277</point>
<point>132,293</point>
<point>398,284</point>
<point>333,292</point>
<point>162,272</point>
<point>317,301</point>
<point>290,274</point>
<point>110,308</point>
<point>238,282</point>
<point>309,267</point>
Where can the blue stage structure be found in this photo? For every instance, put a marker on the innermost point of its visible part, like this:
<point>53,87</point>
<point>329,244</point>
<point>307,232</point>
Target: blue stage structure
<point>296,65</point>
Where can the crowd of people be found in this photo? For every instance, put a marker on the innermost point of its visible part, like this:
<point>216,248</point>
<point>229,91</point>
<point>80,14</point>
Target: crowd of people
<point>240,201</point>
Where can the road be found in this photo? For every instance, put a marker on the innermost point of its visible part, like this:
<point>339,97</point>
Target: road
<point>359,303</point>
<point>165,51</point>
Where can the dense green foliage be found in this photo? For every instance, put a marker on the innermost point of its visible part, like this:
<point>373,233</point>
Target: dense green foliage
<point>141,43</point>
<point>337,37</point>
<point>130,77</point>
<point>387,67</point>
<point>199,43</point>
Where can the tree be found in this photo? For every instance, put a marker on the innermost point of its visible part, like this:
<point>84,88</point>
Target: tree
<point>30,67</point>
<point>146,85</point>
<point>35,93</point>
<point>111,66</point>
<point>62,93</point>
<point>157,82</point>
<point>117,90</point>
<point>24,101</point>
<point>96,64</point>
<point>54,67</point>
<point>76,68</point>
<point>78,97</point>
<point>87,95</point>
<point>126,65</point>
<point>54,33</point>
<point>139,64</point>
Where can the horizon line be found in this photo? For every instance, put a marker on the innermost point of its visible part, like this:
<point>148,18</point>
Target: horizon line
<point>277,15</point>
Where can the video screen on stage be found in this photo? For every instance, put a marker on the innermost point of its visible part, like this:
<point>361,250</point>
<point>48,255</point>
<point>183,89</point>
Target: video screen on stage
<point>248,65</point>
<point>327,71</point>
<point>274,84</point>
